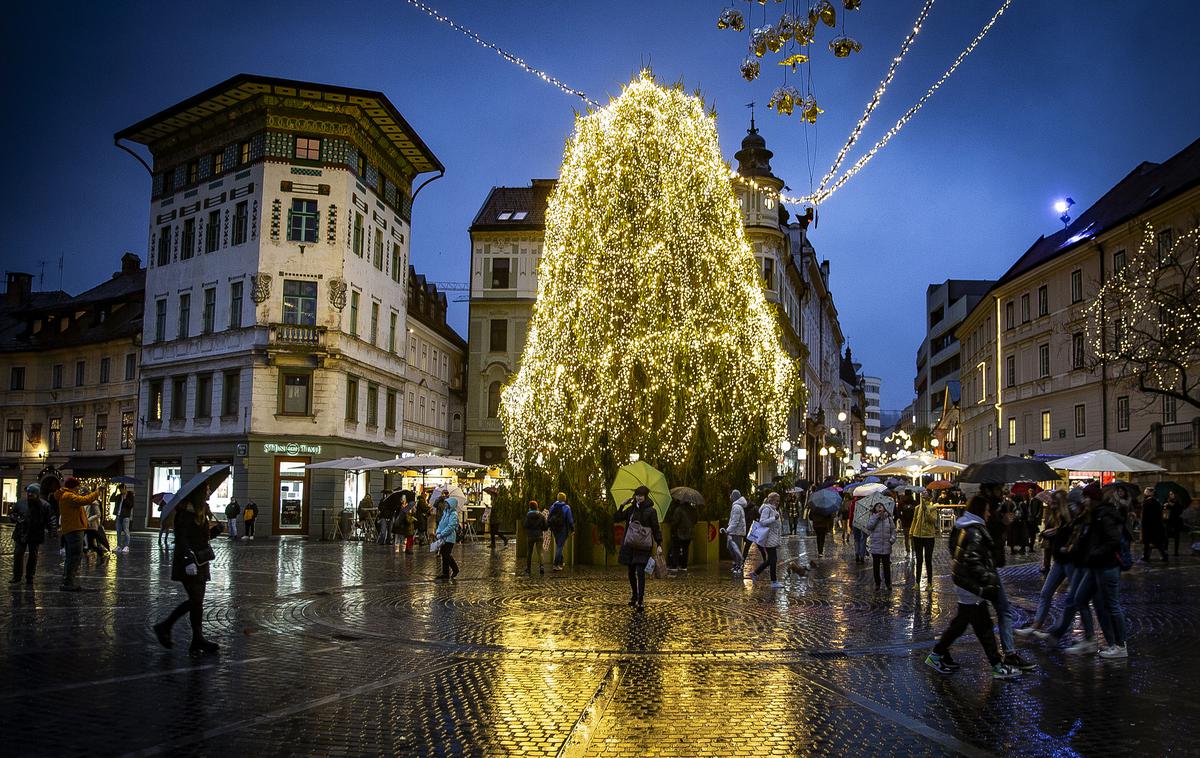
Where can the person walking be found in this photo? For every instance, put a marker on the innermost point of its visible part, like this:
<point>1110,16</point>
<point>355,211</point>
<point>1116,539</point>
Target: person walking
<point>1055,537</point>
<point>408,521</point>
<point>232,511</point>
<point>822,525</point>
<point>1081,589</point>
<point>1154,530</point>
<point>97,539</point>
<point>681,517</point>
<point>447,532</point>
<point>72,507</point>
<point>561,522</point>
<point>768,544</point>
<point>977,582</point>
<point>735,530</point>
<point>881,535</point>
<point>31,516</point>
<point>997,527</point>
<point>1013,511</point>
<point>860,536</point>
<point>924,533</point>
<point>190,567</point>
<point>535,525</point>
<point>124,515</point>
<point>1108,552</point>
<point>643,534</point>
<point>249,514</point>
<point>905,510</point>
<point>166,524</point>
<point>751,510</point>
<point>1172,513</point>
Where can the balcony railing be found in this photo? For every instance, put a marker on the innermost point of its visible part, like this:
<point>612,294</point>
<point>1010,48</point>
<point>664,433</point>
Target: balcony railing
<point>298,335</point>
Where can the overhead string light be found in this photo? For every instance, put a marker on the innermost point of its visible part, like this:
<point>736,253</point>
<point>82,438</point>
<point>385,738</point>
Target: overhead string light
<point>511,58</point>
<point>878,96</point>
<point>823,194</point>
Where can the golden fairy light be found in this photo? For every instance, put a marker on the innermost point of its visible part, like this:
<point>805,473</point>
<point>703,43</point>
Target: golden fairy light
<point>651,332</point>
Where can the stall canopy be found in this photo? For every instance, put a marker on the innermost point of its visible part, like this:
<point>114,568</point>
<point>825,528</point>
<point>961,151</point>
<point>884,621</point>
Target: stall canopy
<point>1104,460</point>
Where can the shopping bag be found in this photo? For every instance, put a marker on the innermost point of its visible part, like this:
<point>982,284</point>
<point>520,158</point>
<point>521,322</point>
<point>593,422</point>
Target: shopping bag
<point>650,566</point>
<point>660,566</point>
<point>435,546</point>
<point>758,533</point>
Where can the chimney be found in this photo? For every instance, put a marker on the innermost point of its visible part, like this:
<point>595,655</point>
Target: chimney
<point>19,286</point>
<point>130,264</point>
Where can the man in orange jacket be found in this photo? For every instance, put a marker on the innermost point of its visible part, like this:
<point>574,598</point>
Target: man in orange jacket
<point>72,508</point>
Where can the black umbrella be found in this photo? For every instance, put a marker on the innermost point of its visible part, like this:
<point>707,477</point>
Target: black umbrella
<point>212,477</point>
<point>1163,489</point>
<point>125,480</point>
<point>687,495</point>
<point>1007,469</point>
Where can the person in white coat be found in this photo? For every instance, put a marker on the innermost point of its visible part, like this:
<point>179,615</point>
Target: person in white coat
<point>881,535</point>
<point>735,530</point>
<point>768,517</point>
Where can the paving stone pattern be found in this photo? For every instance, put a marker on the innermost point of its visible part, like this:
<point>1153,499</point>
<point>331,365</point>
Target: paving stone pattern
<point>332,648</point>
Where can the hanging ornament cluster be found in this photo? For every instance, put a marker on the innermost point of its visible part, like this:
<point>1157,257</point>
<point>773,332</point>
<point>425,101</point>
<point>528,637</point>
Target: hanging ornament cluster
<point>792,34</point>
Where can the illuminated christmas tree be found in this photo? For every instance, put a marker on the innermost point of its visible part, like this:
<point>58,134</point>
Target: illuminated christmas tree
<point>651,333</point>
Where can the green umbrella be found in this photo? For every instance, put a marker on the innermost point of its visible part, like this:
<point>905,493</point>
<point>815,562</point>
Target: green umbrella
<point>637,474</point>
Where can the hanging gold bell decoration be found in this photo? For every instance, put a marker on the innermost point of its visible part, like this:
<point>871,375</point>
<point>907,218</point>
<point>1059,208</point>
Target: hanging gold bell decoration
<point>793,60</point>
<point>804,33</point>
<point>843,46</point>
<point>785,99</point>
<point>750,69</point>
<point>810,111</point>
<point>786,28</point>
<point>823,12</point>
<point>731,18</point>
<point>758,40</point>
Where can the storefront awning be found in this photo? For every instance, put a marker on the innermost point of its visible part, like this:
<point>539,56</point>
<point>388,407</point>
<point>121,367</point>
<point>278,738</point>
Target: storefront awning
<point>9,464</point>
<point>104,465</point>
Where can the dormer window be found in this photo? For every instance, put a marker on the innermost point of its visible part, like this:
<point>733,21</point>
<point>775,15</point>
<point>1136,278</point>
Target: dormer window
<point>505,216</point>
<point>519,215</point>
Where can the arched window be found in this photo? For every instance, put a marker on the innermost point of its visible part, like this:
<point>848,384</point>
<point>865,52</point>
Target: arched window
<point>457,423</point>
<point>493,400</point>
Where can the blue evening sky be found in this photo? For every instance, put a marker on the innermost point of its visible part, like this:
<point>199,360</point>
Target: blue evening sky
<point>1063,98</point>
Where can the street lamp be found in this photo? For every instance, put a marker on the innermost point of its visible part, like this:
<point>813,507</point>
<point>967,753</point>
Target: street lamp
<point>841,415</point>
<point>934,443</point>
<point>1063,209</point>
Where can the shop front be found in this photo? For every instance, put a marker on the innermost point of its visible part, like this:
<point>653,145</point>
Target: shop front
<point>289,513</point>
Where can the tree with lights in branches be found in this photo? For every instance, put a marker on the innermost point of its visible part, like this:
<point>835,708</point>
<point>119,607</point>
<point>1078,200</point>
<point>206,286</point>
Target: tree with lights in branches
<point>1145,320</point>
<point>651,334</point>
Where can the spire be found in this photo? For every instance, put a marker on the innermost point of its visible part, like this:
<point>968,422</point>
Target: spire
<point>754,159</point>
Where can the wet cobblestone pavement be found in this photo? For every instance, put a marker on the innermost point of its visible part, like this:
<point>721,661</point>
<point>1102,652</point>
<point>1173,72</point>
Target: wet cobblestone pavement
<point>346,649</point>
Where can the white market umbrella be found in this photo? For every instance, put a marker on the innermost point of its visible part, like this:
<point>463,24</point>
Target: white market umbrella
<point>353,463</point>
<point>869,488</point>
<point>943,466</point>
<point>423,463</point>
<point>1104,460</point>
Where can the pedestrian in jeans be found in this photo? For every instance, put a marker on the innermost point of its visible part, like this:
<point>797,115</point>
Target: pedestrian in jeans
<point>72,507</point>
<point>561,522</point>
<point>535,525</point>
<point>31,516</point>
<point>822,524</point>
<point>447,532</point>
<point>1109,546</point>
<point>924,531</point>
<point>97,539</point>
<point>1081,588</point>
<point>735,530</point>
<point>124,515</point>
<point>638,509</point>
<point>860,537</point>
<point>232,511</point>
<point>997,528</point>
<point>976,581</point>
<point>768,517</point>
<point>1055,537</point>
<point>881,535</point>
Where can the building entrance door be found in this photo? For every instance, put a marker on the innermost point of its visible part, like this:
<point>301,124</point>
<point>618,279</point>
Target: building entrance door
<point>289,515</point>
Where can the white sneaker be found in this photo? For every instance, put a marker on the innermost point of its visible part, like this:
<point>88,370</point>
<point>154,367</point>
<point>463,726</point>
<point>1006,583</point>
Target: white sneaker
<point>125,549</point>
<point>1025,631</point>
<point>1041,634</point>
<point>1083,647</point>
<point>1115,651</point>
<point>776,585</point>
<point>62,551</point>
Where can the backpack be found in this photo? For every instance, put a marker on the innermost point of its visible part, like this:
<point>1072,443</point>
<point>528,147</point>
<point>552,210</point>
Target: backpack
<point>558,518</point>
<point>533,521</point>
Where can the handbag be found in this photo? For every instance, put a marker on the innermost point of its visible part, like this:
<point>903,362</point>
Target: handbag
<point>204,555</point>
<point>435,546</point>
<point>638,536</point>
<point>660,566</point>
<point>757,534</point>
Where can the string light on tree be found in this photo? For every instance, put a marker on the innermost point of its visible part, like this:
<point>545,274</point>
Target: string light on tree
<point>651,332</point>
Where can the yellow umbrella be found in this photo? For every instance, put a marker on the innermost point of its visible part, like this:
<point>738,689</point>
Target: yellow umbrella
<point>639,473</point>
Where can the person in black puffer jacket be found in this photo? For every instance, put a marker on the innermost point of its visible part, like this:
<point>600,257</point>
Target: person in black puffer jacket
<point>190,567</point>
<point>639,508</point>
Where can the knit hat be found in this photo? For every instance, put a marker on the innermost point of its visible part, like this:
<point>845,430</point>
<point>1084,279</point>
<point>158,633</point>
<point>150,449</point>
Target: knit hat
<point>71,483</point>
<point>1093,492</point>
<point>33,489</point>
<point>643,490</point>
<point>562,496</point>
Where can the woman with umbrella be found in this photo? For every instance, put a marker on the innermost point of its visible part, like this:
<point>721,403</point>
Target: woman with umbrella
<point>768,544</point>
<point>1154,533</point>
<point>190,560</point>
<point>642,534</point>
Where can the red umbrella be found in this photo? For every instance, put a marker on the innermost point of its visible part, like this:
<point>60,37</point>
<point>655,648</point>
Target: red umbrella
<point>1025,488</point>
<point>940,484</point>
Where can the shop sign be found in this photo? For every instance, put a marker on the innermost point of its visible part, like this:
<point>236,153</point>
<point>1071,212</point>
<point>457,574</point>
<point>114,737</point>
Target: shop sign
<point>291,448</point>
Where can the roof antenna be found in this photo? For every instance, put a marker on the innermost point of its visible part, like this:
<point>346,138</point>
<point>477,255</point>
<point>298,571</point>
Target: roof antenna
<point>42,276</point>
<point>60,271</point>
<point>750,105</point>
